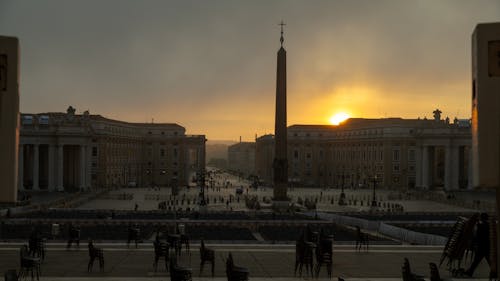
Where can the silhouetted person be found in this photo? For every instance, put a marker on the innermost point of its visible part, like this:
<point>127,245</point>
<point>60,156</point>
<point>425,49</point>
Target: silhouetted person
<point>93,254</point>
<point>33,240</point>
<point>481,244</point>
<point>133,235</point>
<point>73,236</point>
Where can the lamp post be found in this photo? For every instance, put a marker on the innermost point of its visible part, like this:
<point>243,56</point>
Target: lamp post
<point>343,181</point>
<point>149,174</point>
<point>374,200</point>
<point>201,179</point>
<point>175,191</point>
<point>342,194</point>
<point>211,180</point>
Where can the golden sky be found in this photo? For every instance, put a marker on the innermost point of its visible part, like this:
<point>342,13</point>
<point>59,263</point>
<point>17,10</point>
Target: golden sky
<point>210,65</point>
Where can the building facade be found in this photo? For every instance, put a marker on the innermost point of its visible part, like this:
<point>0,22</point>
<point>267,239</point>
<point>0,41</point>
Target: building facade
<point>241,158</point>
<point>68,152</point>
<point>395,153</point>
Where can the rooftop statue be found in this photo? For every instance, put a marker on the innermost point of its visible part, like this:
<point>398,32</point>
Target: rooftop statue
<point>437,114</point>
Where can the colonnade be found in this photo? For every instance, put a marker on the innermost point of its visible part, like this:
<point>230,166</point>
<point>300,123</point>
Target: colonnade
<point>54,167</point>
<point>457,170</point>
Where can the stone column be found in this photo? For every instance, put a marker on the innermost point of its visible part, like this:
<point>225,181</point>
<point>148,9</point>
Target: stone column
<point>51,168</point>
<point>20,170</point>
<point>88,165</point>
<point>447,167</point>
<point>418,166</point>
<point>425,167</point>
<point>454,168</point>
<point>82,167</point>
<point>60,167</point>
<point>36,162</point>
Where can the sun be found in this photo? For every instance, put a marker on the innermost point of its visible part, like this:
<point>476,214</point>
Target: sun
<point>339,118</point>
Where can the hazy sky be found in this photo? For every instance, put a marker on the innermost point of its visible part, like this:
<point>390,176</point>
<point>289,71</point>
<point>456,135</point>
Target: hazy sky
<point>210,65</point>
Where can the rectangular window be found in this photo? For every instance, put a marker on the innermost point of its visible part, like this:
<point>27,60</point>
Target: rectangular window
<point>411,182</point>
<point>27,120</point>
<point>94,151</point>
<point>395,155</point>
<point>395,168</point>
<point>411,168</point>
<point>411,155</point>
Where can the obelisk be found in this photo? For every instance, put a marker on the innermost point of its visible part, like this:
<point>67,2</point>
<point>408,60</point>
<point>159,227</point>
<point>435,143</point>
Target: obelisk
<point>280,163</point>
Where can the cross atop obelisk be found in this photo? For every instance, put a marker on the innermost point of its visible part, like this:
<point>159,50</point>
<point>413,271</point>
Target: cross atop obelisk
<point>280,163</point>
<point>281,38</point>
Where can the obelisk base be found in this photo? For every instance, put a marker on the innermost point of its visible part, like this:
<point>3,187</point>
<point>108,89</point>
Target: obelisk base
<point>281,206</point>
<point>203,209</point>
<point>281,202</point>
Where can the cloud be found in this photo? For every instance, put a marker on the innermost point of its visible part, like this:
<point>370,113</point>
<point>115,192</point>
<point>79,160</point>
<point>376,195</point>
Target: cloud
<point>207,65</point>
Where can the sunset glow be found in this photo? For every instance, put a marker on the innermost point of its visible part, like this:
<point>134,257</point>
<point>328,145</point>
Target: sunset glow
<point>177,66</point>
<point>339,118</point>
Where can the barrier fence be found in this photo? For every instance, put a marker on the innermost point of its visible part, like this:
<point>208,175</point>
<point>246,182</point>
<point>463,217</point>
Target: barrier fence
<point>396,232</point>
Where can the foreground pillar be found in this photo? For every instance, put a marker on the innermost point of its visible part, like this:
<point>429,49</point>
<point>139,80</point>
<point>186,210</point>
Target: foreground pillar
<point>9,118</point>
<point>20,178</point>
<point>486,113</point>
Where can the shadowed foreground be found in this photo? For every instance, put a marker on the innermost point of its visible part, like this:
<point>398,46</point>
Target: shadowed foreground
<point>263,261</point>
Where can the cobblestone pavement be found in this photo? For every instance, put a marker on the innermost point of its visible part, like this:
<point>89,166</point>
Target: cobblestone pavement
<point>148,199</point>
<point>263,262</point>
<point>225,279</point>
